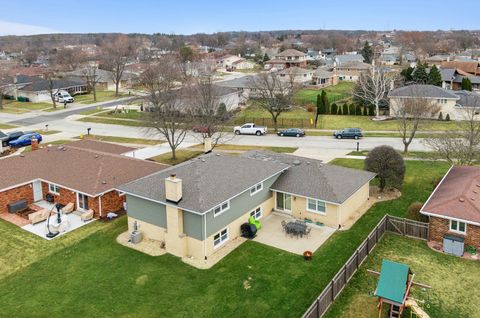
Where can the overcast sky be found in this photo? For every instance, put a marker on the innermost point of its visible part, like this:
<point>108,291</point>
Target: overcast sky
<point>190,16</point>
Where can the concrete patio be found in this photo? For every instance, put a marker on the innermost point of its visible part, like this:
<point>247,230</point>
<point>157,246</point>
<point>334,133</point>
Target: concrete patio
<point>272,234</point>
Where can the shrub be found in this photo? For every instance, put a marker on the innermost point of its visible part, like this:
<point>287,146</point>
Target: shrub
<point>310,108</point>
<point>334,109</point>
<point>447,118</point>
<point>358,110</point>
<point>345,109</point>
<point>365,111</point>
<point>413,212</point>
<point>388,164</point>
<point>440,116</point>
<point>340,110</point>
<point>371,110</point>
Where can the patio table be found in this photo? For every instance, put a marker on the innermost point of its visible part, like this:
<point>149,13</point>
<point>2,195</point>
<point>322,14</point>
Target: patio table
<point>296,228</point>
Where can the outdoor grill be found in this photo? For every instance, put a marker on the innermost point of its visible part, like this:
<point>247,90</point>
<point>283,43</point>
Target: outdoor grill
<point>248,230</point>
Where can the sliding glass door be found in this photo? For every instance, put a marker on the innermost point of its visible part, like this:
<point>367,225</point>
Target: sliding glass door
<point>283,202</point>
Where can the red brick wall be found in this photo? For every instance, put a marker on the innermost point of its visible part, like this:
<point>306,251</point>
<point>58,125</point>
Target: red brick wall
<point>15,194</point>
<point>439,227</point>
<point>112,202</point>
<point>66,196</point>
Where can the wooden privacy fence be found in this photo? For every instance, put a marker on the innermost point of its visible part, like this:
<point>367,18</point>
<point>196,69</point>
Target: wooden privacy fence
<point>388,223</point>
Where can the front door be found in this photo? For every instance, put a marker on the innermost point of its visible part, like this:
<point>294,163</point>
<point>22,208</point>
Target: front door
<point>37,191</point>
<point>284,202</point>
<point>82,202</point>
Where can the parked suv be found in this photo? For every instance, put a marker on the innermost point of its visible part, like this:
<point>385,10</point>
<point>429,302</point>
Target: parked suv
<point>64,96</point>
<point>355,133</point>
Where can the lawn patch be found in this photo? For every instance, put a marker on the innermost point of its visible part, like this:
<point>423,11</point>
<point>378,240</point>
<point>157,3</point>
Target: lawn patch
<point>182,155</point>
<point>127,140</point>
<point>102,96</point>
<point>112,121</point>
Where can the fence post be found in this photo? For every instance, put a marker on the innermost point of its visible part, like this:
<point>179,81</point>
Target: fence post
<point>404,227</point>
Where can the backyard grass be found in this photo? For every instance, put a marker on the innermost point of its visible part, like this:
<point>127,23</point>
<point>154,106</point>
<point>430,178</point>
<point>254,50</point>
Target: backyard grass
<point>93,111</point>
<point>112,121</point>
<point>181,154</point>
<point>97,277</point>
<point>6,126</point>
<point>49,132</point>
<point>127,140</point>
<point>334,93</point>
<point>453,280</point>
<point>102,96</point>
<point>131,114</point>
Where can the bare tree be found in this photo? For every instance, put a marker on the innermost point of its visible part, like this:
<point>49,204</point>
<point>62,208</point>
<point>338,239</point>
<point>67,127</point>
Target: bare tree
<point>166,113</point>
<point>462,145</point>
<point>372,88</point>
<point>273,94</point>
<point>410,114</point>
<point>69,59</point>
<point>209,110</point>
<point>116,55</point>
<point>51,76</point>
<point>90,74</point>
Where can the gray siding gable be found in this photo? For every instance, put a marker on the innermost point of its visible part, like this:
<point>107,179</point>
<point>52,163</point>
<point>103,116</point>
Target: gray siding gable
<point>147,211</point>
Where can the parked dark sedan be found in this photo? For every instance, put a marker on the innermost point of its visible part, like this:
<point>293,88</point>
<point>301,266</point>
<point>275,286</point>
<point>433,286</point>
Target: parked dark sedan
<point>25,140</point>
<point>292,132</point>
<point>355,133</point>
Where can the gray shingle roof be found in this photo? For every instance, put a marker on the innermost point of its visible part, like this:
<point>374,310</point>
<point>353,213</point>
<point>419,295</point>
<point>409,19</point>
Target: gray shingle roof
<point>468,99</point>
<point>311,178</point>
<point>343,58</point>
<point>448,74</point>
<point>42,85</point>
<point>207,181</point>
<point>425,91</point>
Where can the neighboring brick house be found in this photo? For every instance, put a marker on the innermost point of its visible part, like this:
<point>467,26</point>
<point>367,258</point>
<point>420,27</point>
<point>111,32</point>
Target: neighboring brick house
<point>84,172</point>
<point>454,207</point>
<point>286,59</point>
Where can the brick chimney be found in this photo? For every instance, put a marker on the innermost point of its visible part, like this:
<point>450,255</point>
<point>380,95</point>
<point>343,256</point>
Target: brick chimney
<point>207,145</point>
<point>173,189</point>
<point>34,144</point>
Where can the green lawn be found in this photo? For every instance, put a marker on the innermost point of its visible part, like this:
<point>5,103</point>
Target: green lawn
<point>336,92</point>
<point>410,154</point>
<point>453,280</point>
<point>102,96</point>
<point>6,126</point>
<point>112,121</point>
<point>127,140</point>
<point>181,154</point>
<point>16,107</point>
<point>132,114</point>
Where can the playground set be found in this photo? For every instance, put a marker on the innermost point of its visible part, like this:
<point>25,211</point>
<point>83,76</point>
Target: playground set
<point>394,287</point>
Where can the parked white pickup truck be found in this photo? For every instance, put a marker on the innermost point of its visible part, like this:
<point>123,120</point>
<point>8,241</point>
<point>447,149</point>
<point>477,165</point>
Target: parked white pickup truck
<point>250,129</point>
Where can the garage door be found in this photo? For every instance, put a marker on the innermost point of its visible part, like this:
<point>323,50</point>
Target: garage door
<point>453,245</point>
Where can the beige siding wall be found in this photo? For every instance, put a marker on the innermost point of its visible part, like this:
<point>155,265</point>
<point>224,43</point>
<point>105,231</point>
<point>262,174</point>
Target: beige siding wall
<point>349,207</point>
<point>445,108</point>
<point>299,211</point>
<point>148,230</point>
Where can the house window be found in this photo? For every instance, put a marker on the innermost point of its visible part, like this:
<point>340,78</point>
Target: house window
<point>219,209</point>
<point>220,238</point>
<point>257,213</point>
<point>316,206</point>
<point>256,188</point>
<point>457,226</point>
<point>53,188</point>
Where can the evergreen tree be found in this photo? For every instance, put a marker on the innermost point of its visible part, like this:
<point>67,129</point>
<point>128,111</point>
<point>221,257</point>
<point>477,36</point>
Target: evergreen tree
<point>326,103</point>
<point>334,109</point>
<point>407,74</point>
<point>440,116</point>
<point>340,110</point>
<point>434,76</point>
<point>367,53</point>
<point>345,109</point>
<point>371,110</point>
<point>447,118</point>
<point>365,110</point>
<point>320,108</point>
<point>358,110</point>
<point>420,75</point>
<point>351,109</point>
<point>466,84</point>
<point>265,58</point>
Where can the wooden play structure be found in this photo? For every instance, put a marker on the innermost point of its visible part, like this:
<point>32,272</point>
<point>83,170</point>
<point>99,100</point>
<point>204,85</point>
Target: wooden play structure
<point>394,286</point>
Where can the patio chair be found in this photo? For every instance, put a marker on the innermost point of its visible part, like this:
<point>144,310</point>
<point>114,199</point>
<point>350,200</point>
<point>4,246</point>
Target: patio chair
<point>284,225</point>
<point>257,223</point>
<point>68,208</point>
<point>87,215</point>
<point>307,232</point>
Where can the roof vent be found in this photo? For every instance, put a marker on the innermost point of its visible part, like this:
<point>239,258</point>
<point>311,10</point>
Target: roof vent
<point>203,160</point>
<point>217,154</point>
<point>96,156</point>
<point>461,200</point>
<point>104,182</point>
<point>478,185</point>
<point>22,155</point>
<point>296,162</point>
<point>308,162</point>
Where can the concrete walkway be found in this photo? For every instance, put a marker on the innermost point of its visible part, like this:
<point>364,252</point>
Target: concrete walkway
<point>149,152</point>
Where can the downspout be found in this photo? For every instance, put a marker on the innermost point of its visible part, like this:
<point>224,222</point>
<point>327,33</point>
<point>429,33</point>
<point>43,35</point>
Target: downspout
<point>100,205</point>
<point>205,236</point>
